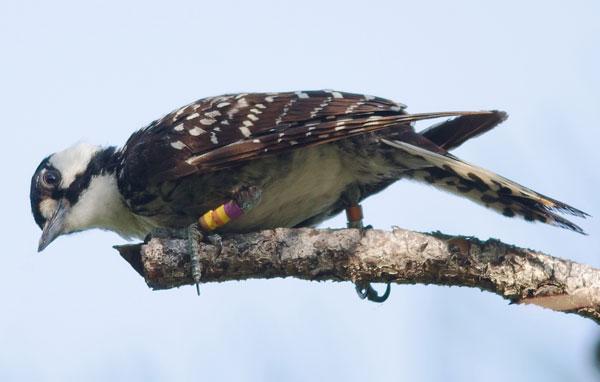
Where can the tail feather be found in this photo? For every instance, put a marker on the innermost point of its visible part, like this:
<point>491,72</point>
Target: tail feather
<point>487,188</point>
<point>454,132</point>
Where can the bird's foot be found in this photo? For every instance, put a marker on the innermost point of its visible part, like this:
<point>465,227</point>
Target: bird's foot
<point>366,291</point>
<point>354,215</point>
<point>214,239</point>
<point>193,236</point>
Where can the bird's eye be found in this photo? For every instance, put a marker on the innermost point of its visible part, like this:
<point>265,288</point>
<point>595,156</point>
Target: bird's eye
<point>51,178</point>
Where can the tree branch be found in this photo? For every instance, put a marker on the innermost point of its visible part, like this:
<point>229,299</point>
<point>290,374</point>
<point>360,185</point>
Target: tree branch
<point>402,257</point>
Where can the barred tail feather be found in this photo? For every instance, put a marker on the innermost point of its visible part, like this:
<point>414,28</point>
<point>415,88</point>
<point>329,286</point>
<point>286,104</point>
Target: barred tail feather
<point>487,188</point>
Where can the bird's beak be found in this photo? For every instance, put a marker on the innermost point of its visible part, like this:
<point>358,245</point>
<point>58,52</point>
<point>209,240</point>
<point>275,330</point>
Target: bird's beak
<point>55,225</point>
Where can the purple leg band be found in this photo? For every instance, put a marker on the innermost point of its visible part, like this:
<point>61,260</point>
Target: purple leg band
<point>233,210</point>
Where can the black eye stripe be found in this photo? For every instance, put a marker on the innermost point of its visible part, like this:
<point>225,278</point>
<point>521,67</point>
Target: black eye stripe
<point>103,161</point>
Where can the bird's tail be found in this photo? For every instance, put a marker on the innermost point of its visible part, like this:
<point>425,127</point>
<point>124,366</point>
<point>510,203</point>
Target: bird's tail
<point>485,187</point>
<point>454,132</point>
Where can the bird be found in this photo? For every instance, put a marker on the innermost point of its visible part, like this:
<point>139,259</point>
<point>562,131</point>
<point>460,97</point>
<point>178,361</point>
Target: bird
<point>245,162</point>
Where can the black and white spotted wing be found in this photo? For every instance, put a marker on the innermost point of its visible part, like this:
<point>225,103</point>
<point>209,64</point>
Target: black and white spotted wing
<point>221,132</point>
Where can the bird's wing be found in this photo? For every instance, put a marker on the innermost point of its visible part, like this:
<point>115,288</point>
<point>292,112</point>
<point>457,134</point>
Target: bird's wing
<point>221,132</point>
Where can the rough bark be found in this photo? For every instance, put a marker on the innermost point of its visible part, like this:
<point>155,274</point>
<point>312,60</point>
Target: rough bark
<point>403,257</point>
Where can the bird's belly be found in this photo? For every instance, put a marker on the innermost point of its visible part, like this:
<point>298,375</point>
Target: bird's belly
<point>297,186</point>
<point>302,186</point>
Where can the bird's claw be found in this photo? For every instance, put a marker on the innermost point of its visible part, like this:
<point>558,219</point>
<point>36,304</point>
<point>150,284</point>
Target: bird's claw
<point>355,220</point>
<point>214,239</point>
<point>366,291</point>
<point>194,236</point>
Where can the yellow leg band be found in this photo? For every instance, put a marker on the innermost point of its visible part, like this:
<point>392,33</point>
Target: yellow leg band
<point>207,222</point>
<point>222,215</point>
<point>216,218</point>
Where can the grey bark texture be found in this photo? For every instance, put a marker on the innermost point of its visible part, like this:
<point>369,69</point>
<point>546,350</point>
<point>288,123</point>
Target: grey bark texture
<point>402,257</point>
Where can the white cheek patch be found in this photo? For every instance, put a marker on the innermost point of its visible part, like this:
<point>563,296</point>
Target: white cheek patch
<point>47,208</point>
<point>101,206</point>
<point>73,161</point>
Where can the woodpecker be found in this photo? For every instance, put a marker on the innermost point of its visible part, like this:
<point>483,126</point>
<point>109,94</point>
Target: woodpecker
<point>245,162</point>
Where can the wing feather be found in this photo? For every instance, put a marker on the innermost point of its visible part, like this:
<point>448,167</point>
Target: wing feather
<point>220,132</point>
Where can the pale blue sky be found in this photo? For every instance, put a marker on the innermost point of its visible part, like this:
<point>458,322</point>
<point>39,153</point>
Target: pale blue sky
<point>96,71</point>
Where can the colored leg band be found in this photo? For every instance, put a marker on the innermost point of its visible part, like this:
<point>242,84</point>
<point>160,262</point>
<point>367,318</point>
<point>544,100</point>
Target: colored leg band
<point>354,213</point>
<point>220,216</point>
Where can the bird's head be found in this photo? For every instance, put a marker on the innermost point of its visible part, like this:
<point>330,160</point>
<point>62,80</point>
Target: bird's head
<point>56,187</point>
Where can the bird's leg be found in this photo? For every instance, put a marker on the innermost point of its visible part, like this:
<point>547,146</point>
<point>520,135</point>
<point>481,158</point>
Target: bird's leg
<point>354,215</point>
<point>242,200</point>
<point>193,236</point>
